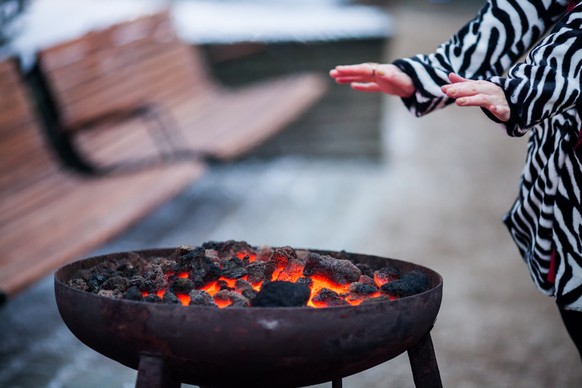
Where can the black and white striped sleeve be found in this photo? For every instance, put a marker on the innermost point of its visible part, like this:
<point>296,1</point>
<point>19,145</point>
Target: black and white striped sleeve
<point>486,46</point>
<point>549,82</point>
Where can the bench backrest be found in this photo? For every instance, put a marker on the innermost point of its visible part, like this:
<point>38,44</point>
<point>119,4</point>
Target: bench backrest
<point>23,155</point>
<point>120,68</point>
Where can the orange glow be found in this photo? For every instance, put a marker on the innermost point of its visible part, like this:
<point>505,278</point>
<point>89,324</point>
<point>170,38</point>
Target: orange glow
<point>211,288</point>
<point>222,303</point>
<point>184,299</point>
<point>320,282</point>
<point>291,272</point>
<point>252,257</point>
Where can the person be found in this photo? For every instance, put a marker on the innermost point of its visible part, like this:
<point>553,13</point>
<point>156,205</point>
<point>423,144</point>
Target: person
<point>481,66</point>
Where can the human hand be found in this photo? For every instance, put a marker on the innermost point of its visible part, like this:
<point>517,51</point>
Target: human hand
<point>372,77</point>
<point>478,93</point>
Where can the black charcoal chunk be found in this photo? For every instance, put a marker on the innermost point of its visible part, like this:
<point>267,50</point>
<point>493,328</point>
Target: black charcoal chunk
<point>244,288</point>
<point>366,269</point>
<point>412,283</point>
<point>94,282</point>
<point>305,281</point>
<point>170,298</point>
<point>182,286</point>
<point>282,294</point>
<point>281,256</point>
<point>200,268</point>
<point>231,298</point>
<point>230,248</point>
<point>234,269</point>
<point>339,271</point>
<point>133,293</point>
<point>329,298</point>
<point>116,283</point>
<point>201,298</point>
<point>362,288</point>
<point>260,271</point>
<point>386,274</point>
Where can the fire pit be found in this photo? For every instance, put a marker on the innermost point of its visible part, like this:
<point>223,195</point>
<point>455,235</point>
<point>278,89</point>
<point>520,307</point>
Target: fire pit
<point>258,346</point>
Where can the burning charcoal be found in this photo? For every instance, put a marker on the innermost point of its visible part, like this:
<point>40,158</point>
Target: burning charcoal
<point>156,275</point>
<point>201,298</point>
<point>182,286</point>
<point>182,250</point>
<point>366,269</point>
<point>223,285</point>
<point>385,275</point>
<point>234,269</point>
<point>230,248</point>
<point>114,294</point>
<point>148,286</point>
<point>245,289</point>
<point>203,271</point>
<point>328,298</point>
<point>186,254</point>
<point>281,256</point>
<point>361,288</point>
<point>240,302</point>
<point>282,294</point>
<point>133,293</point>
<point>292,271</point>
<point>79,284</point>
<point>339,271</point>
<point>116,283</point>
<point>230,299</point>
<point>170,298</point>
<point>260,271</point>
<point>152,298</point>
<point>367,280</point>
<point>305,281</point>
<point>412,283</point>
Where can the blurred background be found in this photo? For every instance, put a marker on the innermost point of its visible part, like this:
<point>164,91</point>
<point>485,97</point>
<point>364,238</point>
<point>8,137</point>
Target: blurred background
<point>354,171</point>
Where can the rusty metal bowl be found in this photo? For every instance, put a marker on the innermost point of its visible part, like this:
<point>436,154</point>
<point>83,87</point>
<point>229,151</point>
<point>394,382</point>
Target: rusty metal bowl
<point>259,347</point>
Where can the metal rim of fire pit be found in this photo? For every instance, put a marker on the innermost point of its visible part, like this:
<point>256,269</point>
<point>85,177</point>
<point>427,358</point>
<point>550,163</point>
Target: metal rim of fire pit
<point>252,346</point>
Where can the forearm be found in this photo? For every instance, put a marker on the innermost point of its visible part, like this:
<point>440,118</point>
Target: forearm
<point>487,46</point>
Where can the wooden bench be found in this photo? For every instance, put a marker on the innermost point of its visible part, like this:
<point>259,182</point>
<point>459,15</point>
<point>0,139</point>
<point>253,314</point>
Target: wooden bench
<point>50,215</point>
<point>141,66</point>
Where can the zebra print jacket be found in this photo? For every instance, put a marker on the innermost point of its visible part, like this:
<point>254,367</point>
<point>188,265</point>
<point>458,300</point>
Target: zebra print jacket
<point>544,97</point>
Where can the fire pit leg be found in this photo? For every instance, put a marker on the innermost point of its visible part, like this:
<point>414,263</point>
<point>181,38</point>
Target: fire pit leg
<point>336,383</point>
<point>425,370</point>
<point>152,372</point>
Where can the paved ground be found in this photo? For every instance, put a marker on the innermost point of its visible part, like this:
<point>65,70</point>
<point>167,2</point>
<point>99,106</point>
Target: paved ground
<point>436,199</point>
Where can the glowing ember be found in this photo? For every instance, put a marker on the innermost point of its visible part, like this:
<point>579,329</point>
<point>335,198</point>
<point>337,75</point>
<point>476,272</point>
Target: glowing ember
<point>232,274</point>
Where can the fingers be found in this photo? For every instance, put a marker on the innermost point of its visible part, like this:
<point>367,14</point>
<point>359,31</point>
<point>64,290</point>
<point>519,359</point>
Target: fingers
<point>483,94</point>
<point>366,87</point>
<point>362,73</point>
<point>374,77</point>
